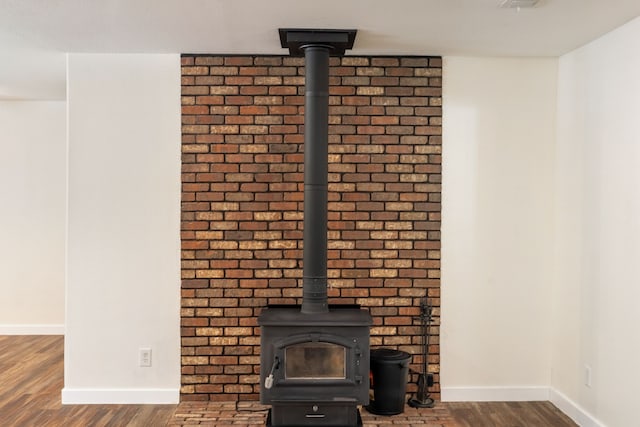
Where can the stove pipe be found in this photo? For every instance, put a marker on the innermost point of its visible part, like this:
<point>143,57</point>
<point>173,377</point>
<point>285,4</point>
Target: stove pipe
<point>317,46</point>
<point>316,124</point>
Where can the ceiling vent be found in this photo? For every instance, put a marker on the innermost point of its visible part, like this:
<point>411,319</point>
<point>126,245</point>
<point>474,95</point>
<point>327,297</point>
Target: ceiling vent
<point>518,4</point>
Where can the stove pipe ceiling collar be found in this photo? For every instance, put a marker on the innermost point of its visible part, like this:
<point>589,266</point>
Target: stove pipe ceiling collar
<point>316,46</point>
<point>296,39</point>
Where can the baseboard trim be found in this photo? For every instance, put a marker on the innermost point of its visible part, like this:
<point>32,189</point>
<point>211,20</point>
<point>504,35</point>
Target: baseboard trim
<point>31,329</point>
<point>494,394</point>
<point>138,396</point>
<point>573,410</point>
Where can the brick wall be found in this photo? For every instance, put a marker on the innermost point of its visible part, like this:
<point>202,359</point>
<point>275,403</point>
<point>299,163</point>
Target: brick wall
<point>242,205</point>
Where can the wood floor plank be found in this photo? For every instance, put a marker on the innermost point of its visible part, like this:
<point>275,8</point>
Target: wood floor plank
<point>508,414</point>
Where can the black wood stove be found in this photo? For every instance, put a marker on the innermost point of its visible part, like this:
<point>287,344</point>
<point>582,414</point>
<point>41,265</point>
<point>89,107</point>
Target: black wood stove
<point>315,368</point>
<point>314,362</point>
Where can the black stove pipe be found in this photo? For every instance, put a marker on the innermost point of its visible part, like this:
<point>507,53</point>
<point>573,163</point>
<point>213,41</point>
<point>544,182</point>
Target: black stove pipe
<point>316,45</point>
<point>316,125</point>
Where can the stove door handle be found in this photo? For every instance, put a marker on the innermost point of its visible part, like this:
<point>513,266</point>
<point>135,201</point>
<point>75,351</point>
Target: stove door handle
<point>268,382</point>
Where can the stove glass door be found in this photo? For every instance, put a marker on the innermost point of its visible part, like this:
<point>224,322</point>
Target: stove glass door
<point>315,360</point>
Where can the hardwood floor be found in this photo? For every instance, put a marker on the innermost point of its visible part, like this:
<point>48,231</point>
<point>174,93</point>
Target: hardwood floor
<point>508,414</point>
<point>31,378</point>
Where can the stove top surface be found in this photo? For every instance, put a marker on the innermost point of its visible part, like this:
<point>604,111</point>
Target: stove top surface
<point>338,315</point>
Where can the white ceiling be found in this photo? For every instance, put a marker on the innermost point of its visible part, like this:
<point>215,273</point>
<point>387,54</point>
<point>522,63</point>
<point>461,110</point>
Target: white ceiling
<point>34,34</point>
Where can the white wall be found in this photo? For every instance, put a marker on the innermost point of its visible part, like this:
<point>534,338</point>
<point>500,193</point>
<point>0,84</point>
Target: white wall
<point>497,228</point>
<point>123,262</point>
<point>597,287</point>
<point>32,217</point>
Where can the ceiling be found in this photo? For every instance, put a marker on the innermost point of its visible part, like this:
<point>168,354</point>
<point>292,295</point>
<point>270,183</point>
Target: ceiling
<point>35,34</point>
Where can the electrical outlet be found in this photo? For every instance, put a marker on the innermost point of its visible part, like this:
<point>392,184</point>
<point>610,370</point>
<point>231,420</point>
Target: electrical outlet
<point>587,375</point>
<point>145,357</point>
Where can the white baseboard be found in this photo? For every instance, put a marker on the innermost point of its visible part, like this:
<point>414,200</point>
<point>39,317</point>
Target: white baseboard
<point>31,329</point>
<point>573,410</point>
<point>494,394</point>
<point>90,396</point>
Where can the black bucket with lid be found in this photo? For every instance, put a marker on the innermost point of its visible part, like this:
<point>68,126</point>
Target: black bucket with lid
<point>389,374</point>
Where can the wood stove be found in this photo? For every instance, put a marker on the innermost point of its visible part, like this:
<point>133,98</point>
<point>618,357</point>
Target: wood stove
<point>314,362</point>
<point>314,368</point>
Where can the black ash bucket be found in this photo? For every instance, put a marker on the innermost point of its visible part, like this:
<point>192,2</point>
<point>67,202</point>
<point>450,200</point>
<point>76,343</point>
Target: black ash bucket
<point>389,374</point>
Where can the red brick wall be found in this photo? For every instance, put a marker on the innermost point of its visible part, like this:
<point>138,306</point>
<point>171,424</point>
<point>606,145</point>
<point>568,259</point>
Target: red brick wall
<point>242,194</point>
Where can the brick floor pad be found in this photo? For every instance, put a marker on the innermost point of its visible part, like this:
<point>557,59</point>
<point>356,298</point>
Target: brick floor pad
<point>239,414</point>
